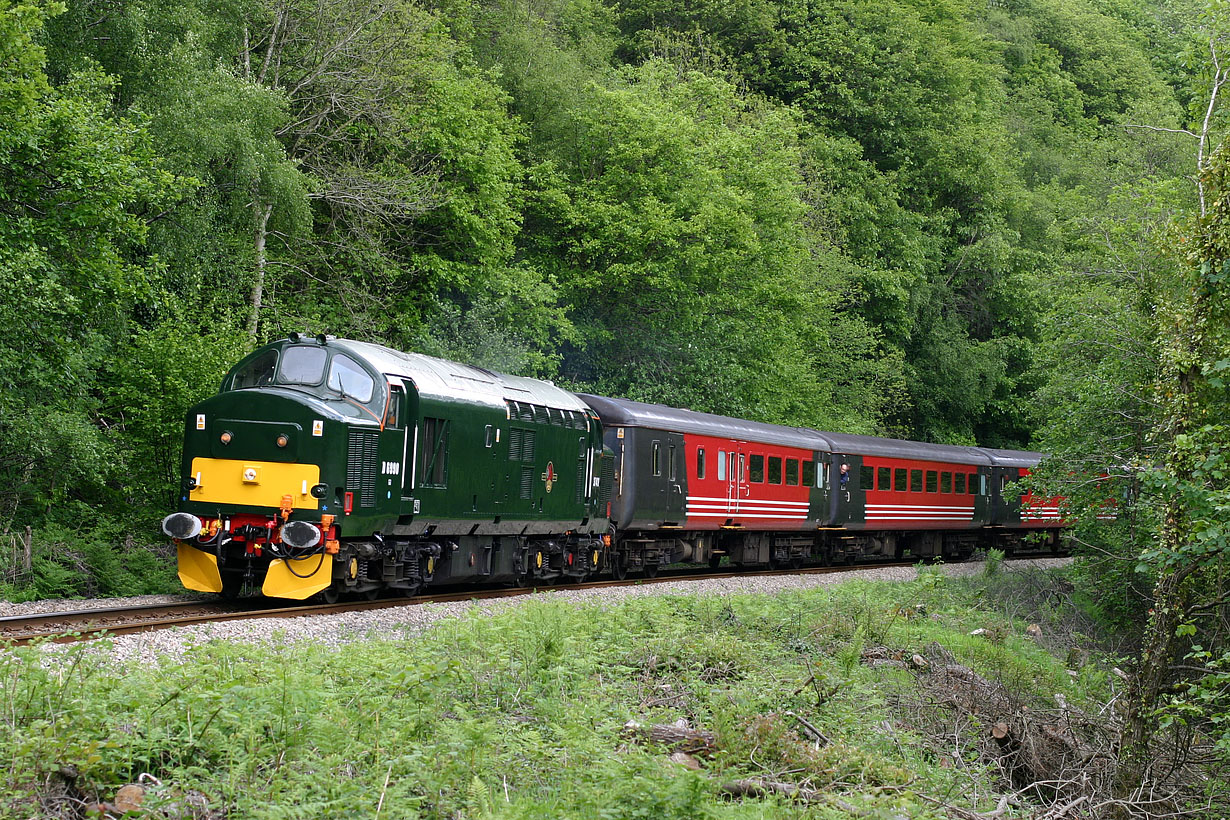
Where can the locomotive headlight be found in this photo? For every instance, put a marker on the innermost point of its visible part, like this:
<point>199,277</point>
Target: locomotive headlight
<point>283,440</point>
<point>226,436</point>
<point>181,526</point>
<point>320,490</point>
<point>300,534</point>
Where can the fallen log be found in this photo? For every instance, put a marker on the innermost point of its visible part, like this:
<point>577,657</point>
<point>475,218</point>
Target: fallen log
<point>699,742</point>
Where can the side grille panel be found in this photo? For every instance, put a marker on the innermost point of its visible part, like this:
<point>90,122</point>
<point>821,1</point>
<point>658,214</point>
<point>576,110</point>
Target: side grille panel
<point>361,466</point>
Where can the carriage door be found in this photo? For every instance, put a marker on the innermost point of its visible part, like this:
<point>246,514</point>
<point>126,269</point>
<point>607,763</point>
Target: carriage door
<point>849,497</point>
<point>737,487</point>
<point>675,477</point>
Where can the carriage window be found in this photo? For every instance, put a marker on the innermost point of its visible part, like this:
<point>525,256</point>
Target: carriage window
<point>721,465</point>
<point>866,477</point>
<point>755,469</point>
<point>257,372</point>
<point>973,483</point>
<point>349,379</point>
<point>700,462</point>
<point>775,469</point>
<point>916,481</point>
<point>884,478</point>
<point>931,482</point>
<point>792,472</point>
<point>899,480</point>
<point>945,482</point>
<point>825,478</point>
<point>670,464</point>
<point>303,365</point>
<point>809,473</point>
<point>958,483</point>
<point>657,458</point>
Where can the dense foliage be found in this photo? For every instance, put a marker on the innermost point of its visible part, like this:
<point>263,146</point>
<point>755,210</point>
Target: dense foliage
<point>856,214</point>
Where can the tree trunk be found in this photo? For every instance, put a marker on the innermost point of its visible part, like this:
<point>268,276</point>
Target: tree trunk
<point>1149,683</point>
<point>260,234</point>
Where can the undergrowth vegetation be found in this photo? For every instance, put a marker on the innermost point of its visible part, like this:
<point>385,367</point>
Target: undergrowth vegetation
<point>69,562</point>
<point>524,712</point>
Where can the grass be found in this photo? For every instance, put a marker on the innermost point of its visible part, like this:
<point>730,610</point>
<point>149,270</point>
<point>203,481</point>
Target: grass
<point>521,714</point>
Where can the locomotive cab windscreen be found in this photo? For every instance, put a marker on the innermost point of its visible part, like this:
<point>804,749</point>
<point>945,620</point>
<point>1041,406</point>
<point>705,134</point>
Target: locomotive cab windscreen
<point>329,375</point>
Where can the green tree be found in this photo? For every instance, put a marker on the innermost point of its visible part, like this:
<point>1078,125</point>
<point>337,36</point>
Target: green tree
<point>78,188</point>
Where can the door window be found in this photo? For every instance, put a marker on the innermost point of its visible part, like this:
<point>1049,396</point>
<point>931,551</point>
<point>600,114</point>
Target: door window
<point>755,469</point>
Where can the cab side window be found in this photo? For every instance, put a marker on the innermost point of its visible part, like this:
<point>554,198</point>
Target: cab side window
<point>392,414</point>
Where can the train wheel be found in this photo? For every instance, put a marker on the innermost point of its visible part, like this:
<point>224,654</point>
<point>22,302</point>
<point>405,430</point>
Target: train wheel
<point>796,561</point>
<point>371,594</point>
<point>619,570</point>
<point>651,570</point>
<point>330,594</point>
<point>714,561</point>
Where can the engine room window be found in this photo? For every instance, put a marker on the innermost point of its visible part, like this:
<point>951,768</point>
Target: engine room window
<point>809,473</point>
<point>303,365</point>
<point>257,372</point>
<point>958,483</point>
<point>916,481</point>
<point>349,379</point>
<point>899,479</point>
<point>866,477</point>
<point>700,462</point>
<point>945,482</point>
<point>721,465</point>
<point>884,478</point>
<point>792,472</point>
<point>931,482</point>
<point>755,469</point>
<point>775,469</point>
<point>433,452</point>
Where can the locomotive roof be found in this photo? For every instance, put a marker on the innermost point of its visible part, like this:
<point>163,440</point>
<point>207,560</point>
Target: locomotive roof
<point>627,413</point>
<point>442,379</point>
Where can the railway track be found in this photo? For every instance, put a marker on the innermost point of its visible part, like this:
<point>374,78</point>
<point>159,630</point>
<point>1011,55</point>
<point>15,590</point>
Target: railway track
<point>84,624</point>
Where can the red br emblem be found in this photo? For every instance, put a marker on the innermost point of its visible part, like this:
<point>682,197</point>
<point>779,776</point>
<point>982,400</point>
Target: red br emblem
<point>549,475</point>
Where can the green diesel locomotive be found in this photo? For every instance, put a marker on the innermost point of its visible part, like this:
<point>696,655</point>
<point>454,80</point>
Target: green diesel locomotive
<point>330,466</point>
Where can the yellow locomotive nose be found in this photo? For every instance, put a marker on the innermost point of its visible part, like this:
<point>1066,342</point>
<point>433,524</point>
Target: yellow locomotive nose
<point>255,483</point>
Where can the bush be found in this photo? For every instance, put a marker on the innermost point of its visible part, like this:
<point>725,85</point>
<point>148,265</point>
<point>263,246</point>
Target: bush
<point>67,563</point>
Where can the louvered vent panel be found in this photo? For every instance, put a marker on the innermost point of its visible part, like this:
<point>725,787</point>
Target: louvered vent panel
<point>527,446</point>
<point>580,479</point>
<point>514,444</point>
<point>608,481</point>
<point>361,466</point>
<point>527,482</point>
